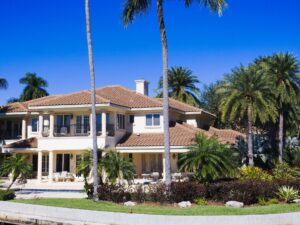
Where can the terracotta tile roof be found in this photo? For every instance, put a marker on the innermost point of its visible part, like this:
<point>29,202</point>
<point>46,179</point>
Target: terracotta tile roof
<point>125,97</point>
<point>26,143</point>
<point>181,106</point>
<point>114,94</point>
<point>76,98</point>
<point>225,135</point>
<point>180,135</point>
<point>13,107</point>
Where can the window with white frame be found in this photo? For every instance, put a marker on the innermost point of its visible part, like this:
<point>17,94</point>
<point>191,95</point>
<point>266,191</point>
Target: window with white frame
<point>121,121</point>
<point>35,124</point>
<point>152,120</point>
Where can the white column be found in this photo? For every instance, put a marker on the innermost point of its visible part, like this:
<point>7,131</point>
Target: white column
<point>115,121</point>
<point>39,172</point>
<point>164,167</point>
<point>41,125</point>
<point>24,128</point>
<point>91,125</point>
<point>51,125</point>
<point>103,118</point>
<point>50,177</point>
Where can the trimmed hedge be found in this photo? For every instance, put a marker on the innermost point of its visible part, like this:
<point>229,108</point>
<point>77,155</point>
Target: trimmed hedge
<point>246,191</point>
<point>7,195</point>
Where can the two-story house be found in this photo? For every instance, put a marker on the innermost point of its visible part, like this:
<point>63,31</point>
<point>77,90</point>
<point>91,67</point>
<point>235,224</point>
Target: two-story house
<point>54,131</point>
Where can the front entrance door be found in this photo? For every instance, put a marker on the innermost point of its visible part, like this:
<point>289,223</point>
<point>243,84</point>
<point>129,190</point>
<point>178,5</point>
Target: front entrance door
<point>62,162</point>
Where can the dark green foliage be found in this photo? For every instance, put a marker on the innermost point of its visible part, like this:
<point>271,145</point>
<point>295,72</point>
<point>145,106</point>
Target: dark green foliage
<point>3,83</point>
<point>182,86</point>
<point>247,191</point>
<point>18,166</point>
<point>114,193</point>
<point>7,195</point>
<point>34,87</point>
<point>208,159</point>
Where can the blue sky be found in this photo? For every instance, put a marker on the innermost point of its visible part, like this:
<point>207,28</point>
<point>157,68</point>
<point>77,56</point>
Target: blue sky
<point>48,37</point>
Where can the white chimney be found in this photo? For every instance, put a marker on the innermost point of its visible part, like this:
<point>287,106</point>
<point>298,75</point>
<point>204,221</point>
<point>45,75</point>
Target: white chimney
<point>142,87</point>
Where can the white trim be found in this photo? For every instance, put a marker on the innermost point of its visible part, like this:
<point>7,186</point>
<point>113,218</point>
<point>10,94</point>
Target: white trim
<point>13,113</point>
<point>151,149</point>
<point>65,106</point>
<point>147,109</point>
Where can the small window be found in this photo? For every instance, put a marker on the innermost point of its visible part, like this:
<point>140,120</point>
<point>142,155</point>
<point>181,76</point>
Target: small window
<point>121,121</point>
<point>152,120</point>
<point>34,124</point>
<point>131,119</point>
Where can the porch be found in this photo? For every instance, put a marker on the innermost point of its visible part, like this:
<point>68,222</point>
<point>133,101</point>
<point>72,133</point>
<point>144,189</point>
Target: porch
<point>54,166</point>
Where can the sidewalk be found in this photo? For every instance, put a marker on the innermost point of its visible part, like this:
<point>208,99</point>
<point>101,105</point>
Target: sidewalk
<point>34,214</point>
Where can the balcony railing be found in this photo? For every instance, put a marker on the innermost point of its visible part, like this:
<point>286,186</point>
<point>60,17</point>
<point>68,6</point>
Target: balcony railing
<point>78,130</point>
<point>7,135</point>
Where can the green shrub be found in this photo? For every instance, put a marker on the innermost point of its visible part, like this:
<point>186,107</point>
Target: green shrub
<point>287,193</point>
<point>7,195</point>
<point>262,201</point>
<point>200,201</point>
<point>273,201</point>
<point>254,173</point>
<point>282,171</point>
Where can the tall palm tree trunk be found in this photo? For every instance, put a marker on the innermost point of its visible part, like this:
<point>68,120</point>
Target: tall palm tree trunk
<point>250,137</point>
<point>163,37</point>
<point>280,136</point>
<point>93,98</point>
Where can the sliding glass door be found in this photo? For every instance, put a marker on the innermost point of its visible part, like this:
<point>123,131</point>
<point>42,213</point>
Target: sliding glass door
<point>62,162</point>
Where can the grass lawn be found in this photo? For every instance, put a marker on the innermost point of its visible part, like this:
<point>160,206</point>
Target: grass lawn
<point>162,210</point>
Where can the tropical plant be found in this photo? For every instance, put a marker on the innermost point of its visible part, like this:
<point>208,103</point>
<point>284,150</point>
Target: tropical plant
<point>12,100</point>
<point>263,153</point>
<point>117,167</point>
<point>287,193</point>
<point>85,167</point>
<point>93,97</point>
<point>200,201</point>
<point>34,87</point>
<point>3,83</point>
<point>284,172</point>
<point>282,69</point>
<point>254,173</point>
<point>208,159</point>
<point>246,94</point>
<point>137,7</point>
<point>18,166</point>
<point>182,86</point>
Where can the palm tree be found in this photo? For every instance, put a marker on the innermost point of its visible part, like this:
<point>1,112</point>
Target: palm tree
<point>93,97</point>
<point>182,85</point>
<point>208,159</point>
<point>3,83</point>
<point>117,167</point>
<point>136,7</point>
<point>246,94</point>
<point>12,100</point>
<point>282,69</point>
<point>34,87</point>
<point>18,166</point>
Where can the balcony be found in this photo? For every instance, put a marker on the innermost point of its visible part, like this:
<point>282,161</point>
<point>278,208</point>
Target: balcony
<point>78,130</point>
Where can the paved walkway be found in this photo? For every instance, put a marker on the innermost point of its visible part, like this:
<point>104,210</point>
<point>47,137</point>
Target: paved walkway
<point>34,214</point>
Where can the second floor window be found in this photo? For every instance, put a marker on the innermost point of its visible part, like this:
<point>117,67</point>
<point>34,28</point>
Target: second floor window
<point>152,120</point>
<point>121,121</point>
<point>82,124</point>
<point>34,124</point>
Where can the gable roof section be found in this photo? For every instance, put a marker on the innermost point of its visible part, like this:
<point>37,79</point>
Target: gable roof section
<point>122,96</point>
